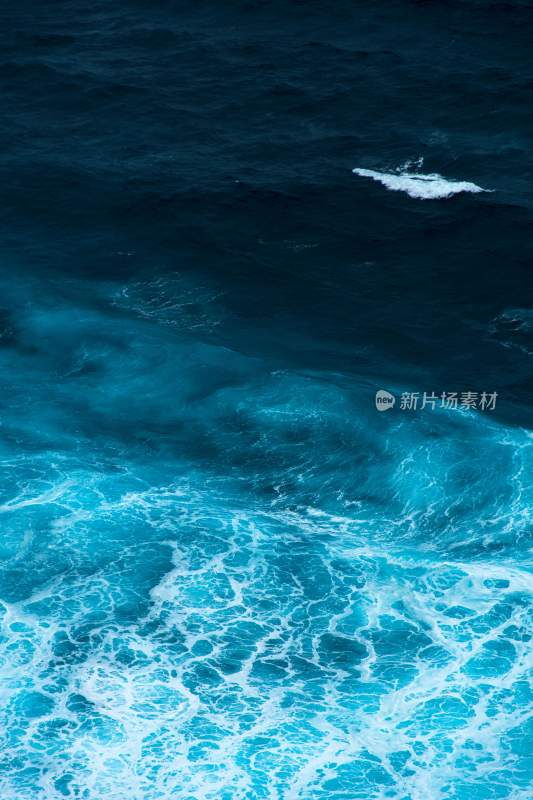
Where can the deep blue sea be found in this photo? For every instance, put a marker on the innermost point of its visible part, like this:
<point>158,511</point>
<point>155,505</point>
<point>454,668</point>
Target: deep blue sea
<point>224,573</point>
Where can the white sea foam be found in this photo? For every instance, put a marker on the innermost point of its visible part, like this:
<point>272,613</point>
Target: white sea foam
<point>421,187</point>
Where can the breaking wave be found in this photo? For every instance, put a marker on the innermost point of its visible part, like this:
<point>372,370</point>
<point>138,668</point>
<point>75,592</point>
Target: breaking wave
<point>418,186</point>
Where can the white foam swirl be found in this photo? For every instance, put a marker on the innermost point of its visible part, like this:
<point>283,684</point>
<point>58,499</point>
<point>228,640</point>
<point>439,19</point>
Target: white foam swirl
<point>421,187</point>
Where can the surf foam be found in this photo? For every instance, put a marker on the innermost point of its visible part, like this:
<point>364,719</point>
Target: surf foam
<point>421,187</point>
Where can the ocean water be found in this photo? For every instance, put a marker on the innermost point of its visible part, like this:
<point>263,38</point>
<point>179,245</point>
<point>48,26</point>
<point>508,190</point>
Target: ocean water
<point>224,574</point>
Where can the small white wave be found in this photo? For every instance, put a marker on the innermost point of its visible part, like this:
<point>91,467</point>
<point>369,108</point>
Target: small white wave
<point>421,187</point>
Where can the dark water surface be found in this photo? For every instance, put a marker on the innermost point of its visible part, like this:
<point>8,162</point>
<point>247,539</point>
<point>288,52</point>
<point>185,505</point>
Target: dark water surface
<point>224,575</point>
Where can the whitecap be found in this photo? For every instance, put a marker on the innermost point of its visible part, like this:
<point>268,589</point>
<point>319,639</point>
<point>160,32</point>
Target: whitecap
<point>421,187</point>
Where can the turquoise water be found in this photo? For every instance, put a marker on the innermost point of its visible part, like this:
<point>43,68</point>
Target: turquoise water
<point>255,585</point>
<point>224,226</point>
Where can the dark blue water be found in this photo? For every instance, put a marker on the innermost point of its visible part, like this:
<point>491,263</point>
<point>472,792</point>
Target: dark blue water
<point>224,574</point>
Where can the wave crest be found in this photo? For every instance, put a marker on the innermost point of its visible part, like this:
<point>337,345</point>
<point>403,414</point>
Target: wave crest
<point>421,187</point>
